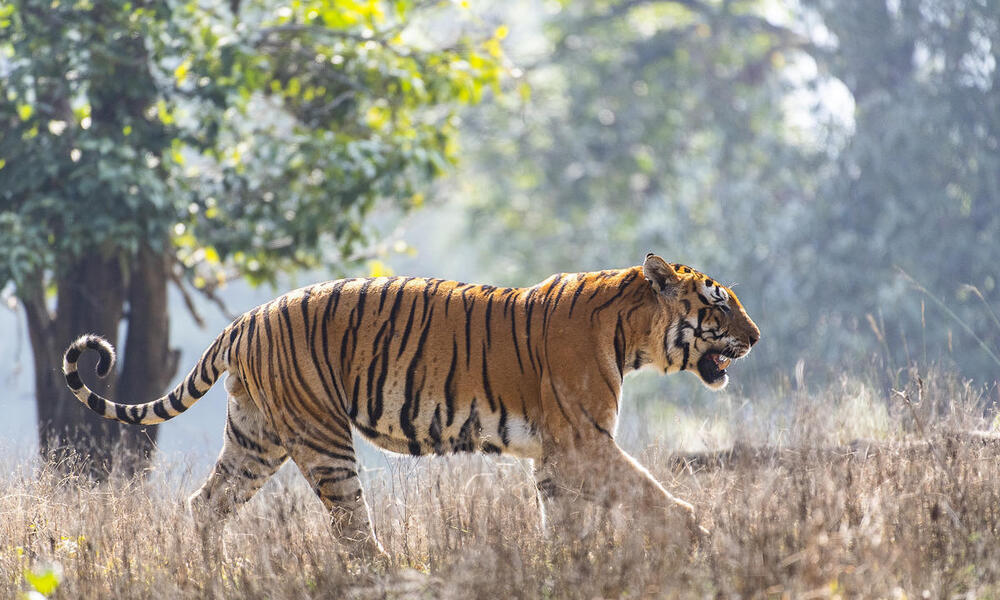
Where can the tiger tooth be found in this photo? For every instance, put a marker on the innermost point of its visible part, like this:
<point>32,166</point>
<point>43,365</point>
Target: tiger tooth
<point>722,362</point>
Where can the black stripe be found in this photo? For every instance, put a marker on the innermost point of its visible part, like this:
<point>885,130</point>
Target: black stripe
<point>349,498</point>
<point>434,431</point>
<point>139,412</point>
<point>73,380</point>
<point>562,288</point>
<point>160,410</point>
<point>491,448</point>
<point>332,474</point>
<point>407,328</point>
<point>104,364</point>
<point>468,435</point>
<point>576,294</point>
<point>559,402</point>
<point>375,411</point>
<point>175,400</point>
<point>367,431</point>
<point>328,313</point>
<point>242,439</point>
<point>510,295</point>
<point>383,291</point>
<point>192,390</point>
<point>271,465</point>
<point>487,389</point>
<point>329,388</point>
<point>72,355</point>
<point>450,388</point>
<point>414,447</point>
<point>502,430</point>
<point>411,394</point>
<point>375,399</point>
<point>353,412</point>
<point>468,307</point>
<point>489,312</point>
<point>293,361</point>
<point>596,425</point>
<point>96,403</point>
<point>208,359</point>
<point>513,335</point>
<point>427,301</point>
<point>529,307</point>
<point>326,452</point>
<point>336,479</point>
<point>620,346</point>
<point>255,356</point>
<point>621,290</point>
<point>122,413</point>
<point>548,304</point>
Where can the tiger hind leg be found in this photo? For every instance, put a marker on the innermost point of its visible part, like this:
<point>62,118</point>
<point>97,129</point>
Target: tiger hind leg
<point>331,468</point>
<point>251,453</point>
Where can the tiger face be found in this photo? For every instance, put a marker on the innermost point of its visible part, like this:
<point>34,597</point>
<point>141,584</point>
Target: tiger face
<point>700,327</point>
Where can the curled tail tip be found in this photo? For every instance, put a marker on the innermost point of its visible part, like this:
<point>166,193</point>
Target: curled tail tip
<point>94,342</point>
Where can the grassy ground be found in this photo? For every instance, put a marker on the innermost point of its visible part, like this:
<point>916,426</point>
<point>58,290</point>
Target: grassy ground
<point>905,518</point>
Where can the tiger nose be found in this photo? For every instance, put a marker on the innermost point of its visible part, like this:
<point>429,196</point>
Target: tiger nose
<point>754,337</point>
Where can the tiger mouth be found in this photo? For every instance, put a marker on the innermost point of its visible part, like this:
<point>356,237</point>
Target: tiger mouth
<point>712,366</point>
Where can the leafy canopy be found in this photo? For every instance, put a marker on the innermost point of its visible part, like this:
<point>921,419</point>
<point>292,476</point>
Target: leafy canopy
<point>259,135</point>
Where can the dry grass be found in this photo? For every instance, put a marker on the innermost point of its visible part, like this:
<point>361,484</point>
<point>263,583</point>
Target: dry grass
<point>914,520</point>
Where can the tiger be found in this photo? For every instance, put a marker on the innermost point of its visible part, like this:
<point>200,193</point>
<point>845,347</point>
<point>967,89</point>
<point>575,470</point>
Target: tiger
<point>430,366</point>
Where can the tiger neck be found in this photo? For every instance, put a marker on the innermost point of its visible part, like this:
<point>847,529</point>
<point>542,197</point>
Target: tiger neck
<point>623,310</point>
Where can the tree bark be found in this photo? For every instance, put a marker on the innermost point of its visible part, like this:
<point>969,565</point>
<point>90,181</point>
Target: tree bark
<point>150,363</point>
<point>89,299</point>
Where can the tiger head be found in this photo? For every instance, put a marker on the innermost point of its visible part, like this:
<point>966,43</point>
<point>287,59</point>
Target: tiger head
<point>699,325</point>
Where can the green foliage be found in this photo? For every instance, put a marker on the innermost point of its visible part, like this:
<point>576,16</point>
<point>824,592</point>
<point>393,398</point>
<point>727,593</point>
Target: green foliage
<point>654,126</point>
<point>803,150</point>
<point>261,138</point>
<point>918,185</point>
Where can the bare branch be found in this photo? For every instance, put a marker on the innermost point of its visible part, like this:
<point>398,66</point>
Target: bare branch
<point>209,292</point>
<point>188,302</point>
<point>742,456</point>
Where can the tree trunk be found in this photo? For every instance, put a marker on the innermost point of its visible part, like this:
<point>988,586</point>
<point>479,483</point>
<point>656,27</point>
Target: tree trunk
<point>150,363</point>
<point>90,299</point>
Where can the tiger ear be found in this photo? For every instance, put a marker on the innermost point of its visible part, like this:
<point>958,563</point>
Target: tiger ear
<point>660,275</point>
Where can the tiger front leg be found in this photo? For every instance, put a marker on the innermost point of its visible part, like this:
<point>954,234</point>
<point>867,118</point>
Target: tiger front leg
<point>603,473</point>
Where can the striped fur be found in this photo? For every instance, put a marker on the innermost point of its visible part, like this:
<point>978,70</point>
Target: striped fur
<point>427,366</point>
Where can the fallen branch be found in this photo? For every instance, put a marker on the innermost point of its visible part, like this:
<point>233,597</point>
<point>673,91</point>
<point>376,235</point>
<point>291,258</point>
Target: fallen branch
<point>943,447</point>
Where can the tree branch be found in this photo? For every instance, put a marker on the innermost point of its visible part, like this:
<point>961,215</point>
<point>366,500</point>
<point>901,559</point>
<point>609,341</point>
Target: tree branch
<point>40,322</point>
<point>188,302</point>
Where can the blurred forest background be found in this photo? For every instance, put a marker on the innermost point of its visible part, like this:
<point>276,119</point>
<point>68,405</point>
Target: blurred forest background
<point>836,160</point>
